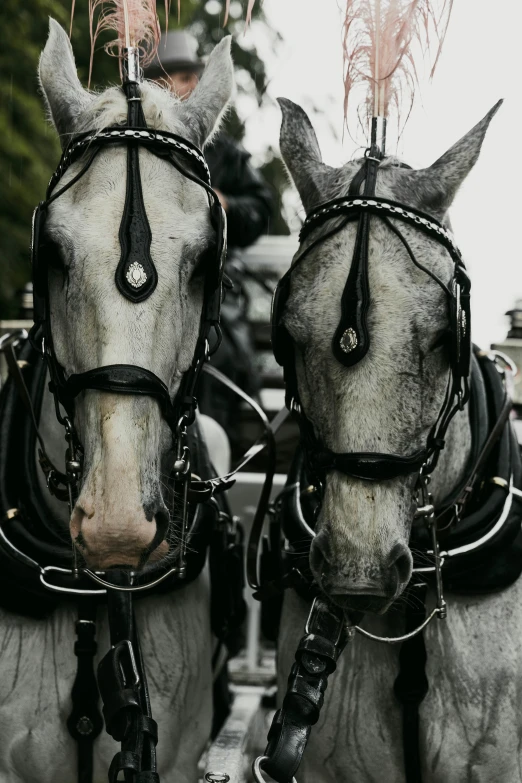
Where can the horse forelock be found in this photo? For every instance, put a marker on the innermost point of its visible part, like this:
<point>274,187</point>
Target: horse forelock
<point>110,108</point>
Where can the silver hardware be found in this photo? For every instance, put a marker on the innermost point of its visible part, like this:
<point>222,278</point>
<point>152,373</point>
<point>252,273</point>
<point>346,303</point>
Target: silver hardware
<point>66,590</point>
<point>126,643</point>
<point>405,637</point>
<point>134,589</point>
<point>425,511</point>
<point>136,275</point>
<point>84,726</point>
<point>131,64</point>
<point>256,769</point>
<point>348,341</point>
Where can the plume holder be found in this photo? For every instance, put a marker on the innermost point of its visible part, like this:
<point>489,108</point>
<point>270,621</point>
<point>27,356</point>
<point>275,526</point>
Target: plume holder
<point>378,137</point>
<point>131,65</point>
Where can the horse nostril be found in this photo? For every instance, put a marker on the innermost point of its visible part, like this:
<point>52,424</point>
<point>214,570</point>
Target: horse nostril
<point>159,513</point>
<point>162,518</point>
<point>401,560</point>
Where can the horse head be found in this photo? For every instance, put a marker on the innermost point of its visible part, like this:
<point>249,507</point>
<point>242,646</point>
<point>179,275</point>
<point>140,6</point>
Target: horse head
<point>389,401</point>
<point>121,515</point>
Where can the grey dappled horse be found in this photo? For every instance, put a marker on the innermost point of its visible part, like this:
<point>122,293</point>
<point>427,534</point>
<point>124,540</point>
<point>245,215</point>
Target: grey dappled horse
<point>125,438</point>
<point>471,719</point>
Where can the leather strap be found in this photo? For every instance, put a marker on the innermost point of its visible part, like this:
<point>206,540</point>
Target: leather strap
<point>124,690</point>
<point>136,276</point>
<point>85,722</point>
<point>411,685</point>
<point>123,379</point>
<point>355,300</point>
<point>369,466</point>
<point>315,659</point>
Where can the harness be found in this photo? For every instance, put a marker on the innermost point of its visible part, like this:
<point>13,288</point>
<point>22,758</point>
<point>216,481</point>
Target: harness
<point>479,529</point>
<point>34,554</point>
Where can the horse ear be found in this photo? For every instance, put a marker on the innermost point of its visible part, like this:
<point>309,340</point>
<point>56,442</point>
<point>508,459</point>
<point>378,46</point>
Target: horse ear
<point>301,153</point>
<point>202,112</point>
<point>436,186</point>
<point>64,95</point>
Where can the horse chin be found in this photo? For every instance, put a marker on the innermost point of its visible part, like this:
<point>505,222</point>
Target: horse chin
<point>119,559</point>
<point>365,603</point>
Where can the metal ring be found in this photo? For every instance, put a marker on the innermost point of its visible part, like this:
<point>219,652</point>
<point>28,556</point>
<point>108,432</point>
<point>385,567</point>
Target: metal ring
<point>136,588</point>
<point>256,769</point>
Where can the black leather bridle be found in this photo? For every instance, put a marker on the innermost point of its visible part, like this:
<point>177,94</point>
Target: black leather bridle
<point>136,279</point>
<point>121,675</point>
<point>328,630</point>
<point>351,340</point>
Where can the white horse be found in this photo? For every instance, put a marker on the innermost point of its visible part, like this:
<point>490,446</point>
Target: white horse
<point>125,438</point>
<point>471,719</point>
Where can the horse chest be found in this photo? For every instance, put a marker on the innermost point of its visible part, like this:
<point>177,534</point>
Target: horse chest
<point>470,721</point>
<point>39,666</point>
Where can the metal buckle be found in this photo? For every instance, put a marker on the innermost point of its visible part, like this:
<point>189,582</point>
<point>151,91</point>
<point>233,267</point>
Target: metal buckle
<point>125,644</point>
<point>256,770</point>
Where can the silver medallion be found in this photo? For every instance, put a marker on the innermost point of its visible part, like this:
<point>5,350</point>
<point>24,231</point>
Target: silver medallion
<point>136,275</point>
<point>348,340</point>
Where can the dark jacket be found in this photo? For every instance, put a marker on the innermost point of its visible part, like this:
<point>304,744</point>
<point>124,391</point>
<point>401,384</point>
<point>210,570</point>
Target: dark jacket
<point>248,215</point>
<point>249,197</point>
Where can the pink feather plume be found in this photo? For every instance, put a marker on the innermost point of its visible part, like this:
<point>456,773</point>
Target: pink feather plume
<point>250,8</point>
<point>135,23</point>
<point>378,41</point>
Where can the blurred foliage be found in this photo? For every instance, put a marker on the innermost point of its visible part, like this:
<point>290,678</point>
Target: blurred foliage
<point>29,149</point>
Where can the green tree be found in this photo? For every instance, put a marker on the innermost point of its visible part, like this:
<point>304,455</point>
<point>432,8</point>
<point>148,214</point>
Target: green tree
<point>29,149</point>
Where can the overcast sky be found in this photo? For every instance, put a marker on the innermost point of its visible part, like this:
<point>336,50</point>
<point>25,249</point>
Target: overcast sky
<point>479,64</point>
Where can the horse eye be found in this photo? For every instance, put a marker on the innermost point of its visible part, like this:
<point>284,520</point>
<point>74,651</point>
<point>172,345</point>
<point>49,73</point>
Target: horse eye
<point>204,261</point>
<point>442,341</point>
<point>52,253</point>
